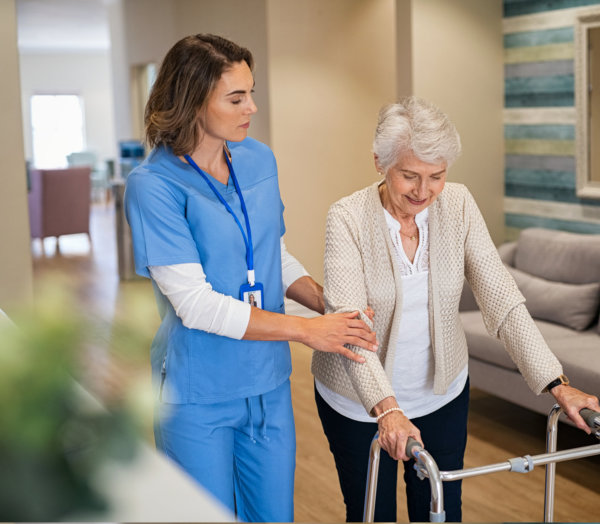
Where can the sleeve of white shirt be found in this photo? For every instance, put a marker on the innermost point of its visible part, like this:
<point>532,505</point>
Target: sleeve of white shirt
<point>200,307</point>
<point>291,269</point>
<point>197,304</point>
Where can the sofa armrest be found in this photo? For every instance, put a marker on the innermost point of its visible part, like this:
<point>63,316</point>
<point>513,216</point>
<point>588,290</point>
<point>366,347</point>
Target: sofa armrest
<point>507,252</point>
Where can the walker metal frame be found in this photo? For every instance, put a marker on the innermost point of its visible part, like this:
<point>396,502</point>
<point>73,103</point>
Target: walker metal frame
<point>427,467</point>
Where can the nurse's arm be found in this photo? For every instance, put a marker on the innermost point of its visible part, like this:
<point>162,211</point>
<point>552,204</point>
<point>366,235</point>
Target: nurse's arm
<point>299,286</point>
<point>197,304</point>
<point>307,292</point>
<point>200,307</point>
<point>329,333</point>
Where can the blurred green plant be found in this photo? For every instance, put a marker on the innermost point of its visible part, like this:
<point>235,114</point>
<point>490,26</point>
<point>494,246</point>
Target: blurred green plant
<point>54,437</point>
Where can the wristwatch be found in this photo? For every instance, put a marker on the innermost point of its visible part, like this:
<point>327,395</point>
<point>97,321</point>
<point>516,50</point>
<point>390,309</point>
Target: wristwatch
<point>557,382</point>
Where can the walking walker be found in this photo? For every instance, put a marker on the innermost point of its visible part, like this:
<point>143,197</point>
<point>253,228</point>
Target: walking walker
<point>427,467</point>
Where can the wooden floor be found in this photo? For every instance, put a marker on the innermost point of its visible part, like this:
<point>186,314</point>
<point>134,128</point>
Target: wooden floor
<point>497,430</point>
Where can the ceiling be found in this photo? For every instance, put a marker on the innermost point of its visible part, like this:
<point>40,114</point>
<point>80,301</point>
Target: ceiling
<point>62,25</point>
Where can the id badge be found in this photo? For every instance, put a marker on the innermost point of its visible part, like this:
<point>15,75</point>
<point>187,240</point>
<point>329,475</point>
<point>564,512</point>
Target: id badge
<point>252,295</point>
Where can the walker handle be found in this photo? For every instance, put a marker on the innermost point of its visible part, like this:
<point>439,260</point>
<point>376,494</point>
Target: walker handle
<point>413,447</point>
<point>592,418</point>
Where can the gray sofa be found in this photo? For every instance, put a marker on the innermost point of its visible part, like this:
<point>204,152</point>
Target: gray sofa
<point>559,275</point>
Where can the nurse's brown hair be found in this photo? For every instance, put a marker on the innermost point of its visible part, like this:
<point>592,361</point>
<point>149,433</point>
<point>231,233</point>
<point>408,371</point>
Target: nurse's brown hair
<point>186,78</point>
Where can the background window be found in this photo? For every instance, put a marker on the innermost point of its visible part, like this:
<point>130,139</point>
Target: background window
<point>57,126</point>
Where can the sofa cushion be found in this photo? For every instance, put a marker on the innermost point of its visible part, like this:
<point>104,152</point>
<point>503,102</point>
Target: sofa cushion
<point>577,351</point>
<point>481,345</point>
<point>572,305</point>
<point>559,256</point>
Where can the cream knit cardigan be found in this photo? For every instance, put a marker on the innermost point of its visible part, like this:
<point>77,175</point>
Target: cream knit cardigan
<point>361,271</point>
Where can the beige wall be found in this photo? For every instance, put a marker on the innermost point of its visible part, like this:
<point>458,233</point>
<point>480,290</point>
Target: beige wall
<point>594,102</point>
<point>404,58</point>
<point>15,260</point>
<point>145,42</point>
<point>244,22</point>
<point>331,68</point>
<point>458,64</point>
<point>142,31</point>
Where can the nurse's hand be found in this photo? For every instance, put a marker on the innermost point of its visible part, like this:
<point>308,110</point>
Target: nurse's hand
<point>330,333</point>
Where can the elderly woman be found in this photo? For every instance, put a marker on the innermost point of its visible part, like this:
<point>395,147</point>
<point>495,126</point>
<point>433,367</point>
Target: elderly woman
<point>403,246</point>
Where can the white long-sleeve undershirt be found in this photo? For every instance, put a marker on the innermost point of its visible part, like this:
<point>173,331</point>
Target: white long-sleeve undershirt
<point>200,307</point>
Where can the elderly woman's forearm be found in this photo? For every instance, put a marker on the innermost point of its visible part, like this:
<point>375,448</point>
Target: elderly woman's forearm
<point>528,349</point>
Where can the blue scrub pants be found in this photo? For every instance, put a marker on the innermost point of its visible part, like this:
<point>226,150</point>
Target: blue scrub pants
<point>444,433</point>
<point>242,451</point>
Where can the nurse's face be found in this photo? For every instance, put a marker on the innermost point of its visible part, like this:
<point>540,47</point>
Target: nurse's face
<point>230,106</point>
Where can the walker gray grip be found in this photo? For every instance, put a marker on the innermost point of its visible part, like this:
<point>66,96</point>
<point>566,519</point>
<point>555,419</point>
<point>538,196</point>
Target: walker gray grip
<point>592,418</point>
<point>412,445</point>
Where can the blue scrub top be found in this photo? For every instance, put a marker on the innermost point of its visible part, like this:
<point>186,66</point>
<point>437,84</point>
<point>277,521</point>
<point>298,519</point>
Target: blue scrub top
<point>175,218</point>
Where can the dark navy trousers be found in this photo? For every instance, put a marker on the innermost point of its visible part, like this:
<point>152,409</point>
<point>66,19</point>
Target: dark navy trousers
<point>444,433</point>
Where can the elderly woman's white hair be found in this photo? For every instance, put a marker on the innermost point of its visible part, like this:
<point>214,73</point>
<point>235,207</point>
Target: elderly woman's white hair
<point>415,126</point>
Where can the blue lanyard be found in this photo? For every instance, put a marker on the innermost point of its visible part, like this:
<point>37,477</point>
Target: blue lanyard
<point>247,239</point>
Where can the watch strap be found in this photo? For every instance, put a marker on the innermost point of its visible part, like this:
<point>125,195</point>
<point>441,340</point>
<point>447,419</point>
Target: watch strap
<point>562,379</point>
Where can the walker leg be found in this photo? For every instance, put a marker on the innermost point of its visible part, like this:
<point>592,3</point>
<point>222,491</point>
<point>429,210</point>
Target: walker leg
<point>372,476</point>
<point>551,439</point>
<point>423,460</point>
<point>593,421</point>
<point>436,509</point>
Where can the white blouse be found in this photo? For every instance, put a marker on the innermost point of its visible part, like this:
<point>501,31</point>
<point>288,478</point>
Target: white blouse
<point>413,367</point>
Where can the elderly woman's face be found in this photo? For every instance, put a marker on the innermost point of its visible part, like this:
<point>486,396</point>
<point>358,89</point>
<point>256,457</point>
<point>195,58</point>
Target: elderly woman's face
<point>413,184</point>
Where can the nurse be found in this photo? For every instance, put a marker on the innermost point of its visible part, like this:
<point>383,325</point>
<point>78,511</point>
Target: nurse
<point>207,224</point>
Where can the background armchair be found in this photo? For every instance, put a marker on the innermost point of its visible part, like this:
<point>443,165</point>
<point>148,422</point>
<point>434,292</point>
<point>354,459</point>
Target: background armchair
<point>59,202</point>
<point>100,173</point>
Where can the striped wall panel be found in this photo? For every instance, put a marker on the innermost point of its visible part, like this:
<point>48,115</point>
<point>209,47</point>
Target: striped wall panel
<point>539,118</point>
<point>540,91</point>
<point>526,7</point>
<point>541,53</point>
<point>539,132</point>
<point>561,35</point>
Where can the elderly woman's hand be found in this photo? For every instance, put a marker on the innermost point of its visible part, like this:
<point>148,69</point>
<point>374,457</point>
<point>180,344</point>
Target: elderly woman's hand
<point>572,401</point>
<point>394,429</point>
